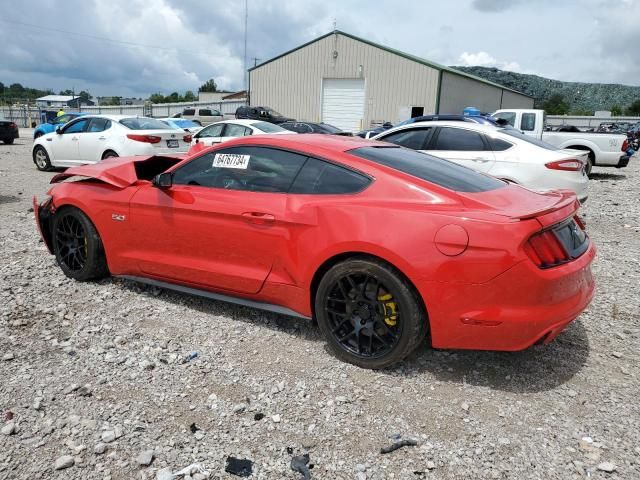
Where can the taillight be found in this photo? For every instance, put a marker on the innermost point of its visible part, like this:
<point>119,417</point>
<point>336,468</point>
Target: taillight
<point>13,125</point>
<point>571,165</point>
<point>144,138</point>
<point>625,145</point>
<point>187,138</point>
<point>546,250</point>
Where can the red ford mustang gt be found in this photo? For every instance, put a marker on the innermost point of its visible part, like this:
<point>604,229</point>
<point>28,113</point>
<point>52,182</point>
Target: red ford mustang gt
<point>382,245</point>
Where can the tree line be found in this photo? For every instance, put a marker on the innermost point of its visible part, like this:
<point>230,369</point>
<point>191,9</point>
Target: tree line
<point>557,104</point>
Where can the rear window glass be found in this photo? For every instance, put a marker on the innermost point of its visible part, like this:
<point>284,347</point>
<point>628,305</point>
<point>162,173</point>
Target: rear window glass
<point>528,138</point>
<point>269,127</point>
<point>144,123</point>
<point>432,169</point>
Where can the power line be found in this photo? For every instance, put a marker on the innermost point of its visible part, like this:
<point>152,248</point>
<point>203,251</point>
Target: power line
<point>103,39</point>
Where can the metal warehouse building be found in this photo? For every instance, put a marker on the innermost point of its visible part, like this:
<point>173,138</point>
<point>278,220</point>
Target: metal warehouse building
<point>352,83</point>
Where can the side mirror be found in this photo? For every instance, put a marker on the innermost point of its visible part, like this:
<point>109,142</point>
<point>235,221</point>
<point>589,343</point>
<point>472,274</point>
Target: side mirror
<point>59,130</point>
<point>163,180</point>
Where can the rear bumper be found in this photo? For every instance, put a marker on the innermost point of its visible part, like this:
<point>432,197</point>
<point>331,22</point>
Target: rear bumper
<point>9,134</point>
<point>623,161</point>
<point>517,309</point>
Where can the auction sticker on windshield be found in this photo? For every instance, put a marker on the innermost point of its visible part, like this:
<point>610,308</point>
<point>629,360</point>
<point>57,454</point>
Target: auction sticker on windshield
<point>231,160</point>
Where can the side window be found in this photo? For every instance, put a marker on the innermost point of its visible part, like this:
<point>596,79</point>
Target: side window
<point>320,177</point>
<point>528,122</point>
<point>498,145</point>
<point>189,111</point>
<point>509,117</point>
<point>304,128</point>
<point>259,170</point>
<point>459,140</point>
<point>216,113</point>
<point>414,139</point>
<point>76,127</point>
<point>211,131</point>
<point>99,125</point>
<point>62,119</point>
<point>205,112</point>
<point>234,130</point>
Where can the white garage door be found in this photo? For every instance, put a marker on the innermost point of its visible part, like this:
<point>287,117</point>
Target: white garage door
<point>343,103</point>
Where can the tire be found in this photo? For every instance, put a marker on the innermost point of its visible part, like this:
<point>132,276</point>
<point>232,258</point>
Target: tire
<point>77,245</point>
<point>389,315</point>
<point>109,154</point>
<point>41,159</point>
<point>590,162</point>
<point>9,141</point>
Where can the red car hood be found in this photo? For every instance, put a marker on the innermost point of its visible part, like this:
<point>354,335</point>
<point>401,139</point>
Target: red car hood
<point>122,172</point>
<point>520,203</point>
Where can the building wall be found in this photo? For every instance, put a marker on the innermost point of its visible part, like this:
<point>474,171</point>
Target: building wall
<point>458,92</point>
<point>292,84</point>
<point>515,100</point>
<point>211,96</point>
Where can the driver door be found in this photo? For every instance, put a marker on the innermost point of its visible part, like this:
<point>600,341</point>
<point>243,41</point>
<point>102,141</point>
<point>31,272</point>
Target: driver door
<point>218,226</point>
<point>65,146</point>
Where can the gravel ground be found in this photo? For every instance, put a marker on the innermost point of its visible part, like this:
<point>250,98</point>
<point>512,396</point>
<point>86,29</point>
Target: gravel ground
<point>95,381</point>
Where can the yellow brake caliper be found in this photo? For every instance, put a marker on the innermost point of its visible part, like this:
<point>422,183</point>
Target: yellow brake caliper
<point>390,309</point>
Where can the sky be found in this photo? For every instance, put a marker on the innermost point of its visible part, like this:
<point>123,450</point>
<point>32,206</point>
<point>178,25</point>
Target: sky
<point>138,47</point>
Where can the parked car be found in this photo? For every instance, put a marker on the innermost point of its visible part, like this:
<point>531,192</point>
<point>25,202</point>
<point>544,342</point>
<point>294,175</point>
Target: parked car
<point>383,245</point>
<point>186,125</point>
<point>485,120</point>
<point>313,127</point>
<point>500,152</point>
<point>230,129</point>
<point>604,150</point>
<point>91,138</point>
<point>201,116</point>
<point>265,114</point>
<point>8,131</point>
<point>54,123</point>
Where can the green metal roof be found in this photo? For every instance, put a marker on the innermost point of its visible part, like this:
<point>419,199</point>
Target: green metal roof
<point>422,61</point>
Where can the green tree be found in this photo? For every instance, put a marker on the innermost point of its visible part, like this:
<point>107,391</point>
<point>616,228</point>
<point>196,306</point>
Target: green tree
<point>616,110</point>
<point>209,86</point>
<point>556,105</point>
<point>84,96</point>
<point>173,97</point>
<point>189,96</point>
<point>156,98</point>
<point>634,108</point>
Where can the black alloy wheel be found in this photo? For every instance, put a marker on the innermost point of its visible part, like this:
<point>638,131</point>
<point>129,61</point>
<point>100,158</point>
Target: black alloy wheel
<point>369,313</point>
<point>71,239</point>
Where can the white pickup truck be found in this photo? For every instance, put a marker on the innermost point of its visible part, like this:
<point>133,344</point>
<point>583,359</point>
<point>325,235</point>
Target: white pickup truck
<point>605,149</point>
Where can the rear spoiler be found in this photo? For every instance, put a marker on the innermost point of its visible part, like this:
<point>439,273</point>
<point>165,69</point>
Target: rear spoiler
<point>564,208</point>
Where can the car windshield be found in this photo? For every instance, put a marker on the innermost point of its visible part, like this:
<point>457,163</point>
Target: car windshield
<point>427,167</point>
<point>267,127</point>
<point>144,123</point>
<point>273,113</point>
<point>512,132</point>
<point>329,128</point>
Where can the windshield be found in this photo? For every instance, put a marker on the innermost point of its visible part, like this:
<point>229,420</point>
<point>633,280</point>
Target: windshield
<point>144,123</point>
<point>329,128</point>
<point>267,127</point>
<point>273,113</point>
<point>432,169</point>
<point>512,132</point>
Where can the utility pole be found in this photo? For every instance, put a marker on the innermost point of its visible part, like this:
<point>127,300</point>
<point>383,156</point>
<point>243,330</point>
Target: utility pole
<point>246,16</point>
<point>255,61</point>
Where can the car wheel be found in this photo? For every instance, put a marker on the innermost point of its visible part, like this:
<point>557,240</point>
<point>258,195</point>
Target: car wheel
<point>41,159</point>
<point>9,141</point>
<point>77,245</point>
<point>370,315</point>
<point>109,154</point>
<point>589,164</point>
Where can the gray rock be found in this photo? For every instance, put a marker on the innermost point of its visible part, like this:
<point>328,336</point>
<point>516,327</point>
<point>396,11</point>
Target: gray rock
<point>145,458</point>
<point>63,462</point>
<point>108,436</point>
<point>8,356</point>
<point>100,448</point>
<point>239,408</point>
<point>607,467</point>
<point>9,428</point>
<point>430,465</point>
<point>164,474</point>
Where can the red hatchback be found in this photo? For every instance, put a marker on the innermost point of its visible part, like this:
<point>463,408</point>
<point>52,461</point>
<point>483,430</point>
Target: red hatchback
<point>384,246</point>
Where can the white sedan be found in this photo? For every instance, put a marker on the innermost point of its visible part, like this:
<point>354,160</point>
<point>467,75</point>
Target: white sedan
<point>503,153</point>
<point>91,138</point>
<point>228,129</point>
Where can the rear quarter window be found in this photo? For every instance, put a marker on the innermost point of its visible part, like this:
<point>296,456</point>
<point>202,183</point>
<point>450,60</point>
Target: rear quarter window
<point>427,167</point>
<point>319,177</point>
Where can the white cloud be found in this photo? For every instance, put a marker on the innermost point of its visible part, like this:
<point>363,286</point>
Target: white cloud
<point>483,59</point>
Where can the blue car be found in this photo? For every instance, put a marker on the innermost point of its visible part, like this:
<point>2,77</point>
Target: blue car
<point>51,125</point>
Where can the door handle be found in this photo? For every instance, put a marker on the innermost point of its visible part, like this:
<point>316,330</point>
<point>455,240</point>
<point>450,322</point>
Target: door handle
<point>102,138</point>
<point>75,139</point>
<point>259,218</point>
<point>479,159</point>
